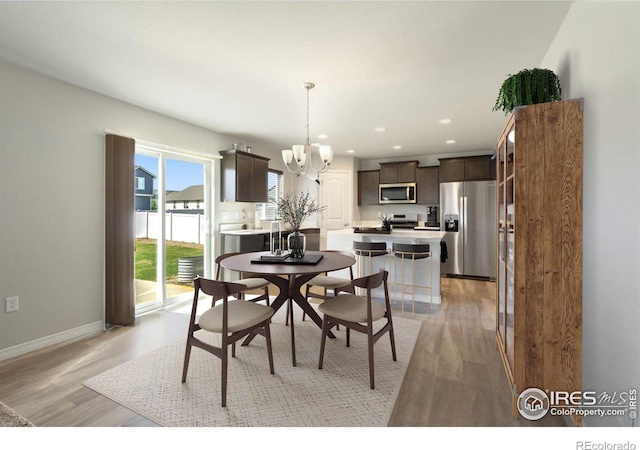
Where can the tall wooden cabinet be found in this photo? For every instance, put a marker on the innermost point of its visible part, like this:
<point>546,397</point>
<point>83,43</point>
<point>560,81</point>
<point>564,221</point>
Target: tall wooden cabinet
<point>539,273</point>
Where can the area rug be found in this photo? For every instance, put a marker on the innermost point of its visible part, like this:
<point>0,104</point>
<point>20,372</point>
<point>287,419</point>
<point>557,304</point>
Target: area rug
<point>301,396</point>
<point>10,418</point>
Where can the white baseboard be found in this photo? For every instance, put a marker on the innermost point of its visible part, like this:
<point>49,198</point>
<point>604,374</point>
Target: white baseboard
<point>46,341</point>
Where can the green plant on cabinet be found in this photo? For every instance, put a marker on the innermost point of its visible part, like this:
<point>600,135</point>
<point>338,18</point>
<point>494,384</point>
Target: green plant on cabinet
<point>528,87</point>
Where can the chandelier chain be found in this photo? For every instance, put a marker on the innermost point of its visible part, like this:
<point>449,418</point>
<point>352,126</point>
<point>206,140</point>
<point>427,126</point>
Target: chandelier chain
<point>303,153</point>
<point>308,87</point>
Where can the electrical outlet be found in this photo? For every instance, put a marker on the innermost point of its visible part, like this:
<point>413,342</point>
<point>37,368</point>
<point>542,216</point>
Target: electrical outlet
<point>11,304</point>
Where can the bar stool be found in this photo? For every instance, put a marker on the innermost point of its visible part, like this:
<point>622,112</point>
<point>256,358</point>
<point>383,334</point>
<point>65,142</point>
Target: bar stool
<point>413,252</point>
<point>366,251</point>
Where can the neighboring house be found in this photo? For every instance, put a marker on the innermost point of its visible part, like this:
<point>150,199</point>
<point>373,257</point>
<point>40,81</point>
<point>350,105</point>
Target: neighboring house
<point>144,189</point>
<point>191,198</point>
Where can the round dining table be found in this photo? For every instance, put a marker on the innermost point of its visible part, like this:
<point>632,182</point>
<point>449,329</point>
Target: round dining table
<point>289,276</point>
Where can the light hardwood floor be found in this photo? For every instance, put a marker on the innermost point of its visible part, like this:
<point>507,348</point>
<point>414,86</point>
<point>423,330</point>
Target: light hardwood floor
<point>455,376</point>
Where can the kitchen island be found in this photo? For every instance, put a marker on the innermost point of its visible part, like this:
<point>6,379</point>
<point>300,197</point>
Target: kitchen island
<point>343,240</point>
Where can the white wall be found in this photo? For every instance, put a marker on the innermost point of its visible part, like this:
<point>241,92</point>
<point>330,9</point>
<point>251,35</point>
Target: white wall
<point>595,55</point>
<point>52,155</point>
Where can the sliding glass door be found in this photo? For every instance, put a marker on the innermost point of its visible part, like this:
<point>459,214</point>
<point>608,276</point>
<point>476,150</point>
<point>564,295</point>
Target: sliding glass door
<point>171,224</point>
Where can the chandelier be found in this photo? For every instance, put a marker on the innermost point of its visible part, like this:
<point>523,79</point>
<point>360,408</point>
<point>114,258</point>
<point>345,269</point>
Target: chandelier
<point>302,153</point>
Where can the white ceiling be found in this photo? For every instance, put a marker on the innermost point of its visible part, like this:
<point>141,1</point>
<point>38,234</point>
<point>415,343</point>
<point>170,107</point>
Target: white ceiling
<point>238,67</point>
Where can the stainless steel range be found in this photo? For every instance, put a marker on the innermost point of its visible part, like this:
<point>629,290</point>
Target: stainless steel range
<point>410,221</point>
<point>407,221</point>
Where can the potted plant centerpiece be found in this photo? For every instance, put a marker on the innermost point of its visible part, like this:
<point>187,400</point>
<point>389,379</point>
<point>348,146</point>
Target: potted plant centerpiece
<point>528,87</point>
<point>294,209</point>
<point>386,222</point>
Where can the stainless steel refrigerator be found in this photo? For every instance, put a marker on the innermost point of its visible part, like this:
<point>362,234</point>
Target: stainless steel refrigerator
<point>468,216</point>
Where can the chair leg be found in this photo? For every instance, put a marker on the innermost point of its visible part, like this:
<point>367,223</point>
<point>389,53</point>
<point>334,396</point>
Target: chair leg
<point>348,337</point>
<point>370,345</point>
<point>223,388</point>
<point>266,294</point>
<point>393,340</point>
<point>267,335</point>
<point>402,285</point>
<point>413,285</point>
<point>306,297</point>
<point>335,294</point>
<point>325,327</point>
<point>187,355</point>
<point>233,350</point>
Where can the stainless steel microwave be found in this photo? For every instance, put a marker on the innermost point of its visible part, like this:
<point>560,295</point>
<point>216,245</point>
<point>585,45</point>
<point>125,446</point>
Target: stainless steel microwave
<point>397,193</point>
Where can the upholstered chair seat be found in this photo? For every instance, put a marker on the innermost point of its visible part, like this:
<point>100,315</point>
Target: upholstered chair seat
<point>242,315</point>
<point>351,308</point>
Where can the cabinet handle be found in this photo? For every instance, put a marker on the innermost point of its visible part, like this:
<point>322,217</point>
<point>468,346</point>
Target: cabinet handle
<point>464,212</point>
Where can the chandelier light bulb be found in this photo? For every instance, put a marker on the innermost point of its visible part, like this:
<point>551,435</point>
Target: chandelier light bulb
<point>287,157</point>
<point>298,151</point>
<point>325,153</point>
<point>303,160</point>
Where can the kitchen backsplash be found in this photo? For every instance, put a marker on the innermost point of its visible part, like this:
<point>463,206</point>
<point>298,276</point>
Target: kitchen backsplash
<point>235,212</point>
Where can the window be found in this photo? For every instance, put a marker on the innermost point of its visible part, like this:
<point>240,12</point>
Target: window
<point>162,241</point>
<point>274,192</point>
<point>140,183</point>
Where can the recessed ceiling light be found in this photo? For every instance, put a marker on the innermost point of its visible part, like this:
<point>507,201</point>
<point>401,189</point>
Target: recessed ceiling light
<point>380,129</point>
<point>322,136</point>
<point>451,141</point>
<point>397,147</point>
<point>445,121</point>
<point>351,150</point>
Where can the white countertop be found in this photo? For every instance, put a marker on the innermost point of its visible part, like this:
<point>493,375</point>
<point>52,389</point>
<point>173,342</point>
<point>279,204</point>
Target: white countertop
<point>423,234</point>
<point>256,231</point>
<point>420,234</point>
<point>244,232</point>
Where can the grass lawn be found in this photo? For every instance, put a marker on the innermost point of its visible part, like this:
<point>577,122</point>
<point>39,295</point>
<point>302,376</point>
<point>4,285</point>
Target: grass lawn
<point>146,257</point>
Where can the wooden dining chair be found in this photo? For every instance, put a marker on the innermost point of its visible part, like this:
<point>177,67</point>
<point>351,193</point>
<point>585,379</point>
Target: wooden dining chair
<point>251,283</point>
<point>327,282</point>
<point>233,320</point>
<point>359,314</point>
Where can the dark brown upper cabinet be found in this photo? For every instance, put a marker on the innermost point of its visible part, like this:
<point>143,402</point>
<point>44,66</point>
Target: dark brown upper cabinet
<point>244,177</point>
<point>467,169</point>
<point>398,172</point>
<point>428,185</point>
<point>368,181</point>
